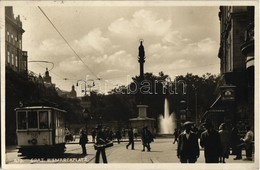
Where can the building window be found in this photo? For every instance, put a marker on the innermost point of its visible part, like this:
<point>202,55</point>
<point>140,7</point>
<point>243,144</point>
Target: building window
<point>15,43</point>
<point>8,36</point>
<point>12,38</point>
<point>12,59</point>
<point>16,61</point>
<point>24,65</point>
<point>8,57</point>
<point>20,44</point>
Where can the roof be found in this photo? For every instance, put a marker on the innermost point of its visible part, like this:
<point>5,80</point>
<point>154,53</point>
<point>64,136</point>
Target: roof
<point>37,108</point>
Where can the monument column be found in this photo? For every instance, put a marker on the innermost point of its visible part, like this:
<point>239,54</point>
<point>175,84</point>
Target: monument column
<point>141,60</point>
<point>142,120</point>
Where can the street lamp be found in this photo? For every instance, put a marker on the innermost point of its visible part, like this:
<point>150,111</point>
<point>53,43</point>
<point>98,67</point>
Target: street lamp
<point>85,103</point>
<point>86,85</point>
<point>86,116</point>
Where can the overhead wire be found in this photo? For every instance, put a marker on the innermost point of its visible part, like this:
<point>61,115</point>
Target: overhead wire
<point>68,43</point>
<point>51,70</point>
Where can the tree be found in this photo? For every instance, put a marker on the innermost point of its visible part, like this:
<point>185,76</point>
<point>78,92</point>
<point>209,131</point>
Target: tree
<point>200,92</point>
<point>27,90</point>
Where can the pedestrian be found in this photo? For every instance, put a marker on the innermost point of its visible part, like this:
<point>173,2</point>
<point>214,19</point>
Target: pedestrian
<point>83,140</point>
<point>118,136</point>
<point>135,133</point>
<point>247,140</point>
<point>110,134</point>
<point>131,139</point>
<point>100,144</point>
<point>210,141</point>
<point>224,138</point>
<point>147,138</point>
<point>188,149</point>
<point>93,134</point>
<point>176,135</point>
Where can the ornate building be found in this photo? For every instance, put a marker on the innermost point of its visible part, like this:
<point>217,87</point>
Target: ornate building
<point>67,94</point>
<point>235,103</point>
<point>16,58</point>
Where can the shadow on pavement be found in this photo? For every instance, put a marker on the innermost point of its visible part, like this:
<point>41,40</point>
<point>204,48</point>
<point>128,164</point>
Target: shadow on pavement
<point>45,157</point>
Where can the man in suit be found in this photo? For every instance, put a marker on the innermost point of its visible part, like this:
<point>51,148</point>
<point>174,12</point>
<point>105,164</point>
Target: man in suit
<point>210,141</point>
<point>188,147</point>
<point>83,140</point>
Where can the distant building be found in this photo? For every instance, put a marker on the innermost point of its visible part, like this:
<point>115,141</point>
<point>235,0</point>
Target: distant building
<point>67,94</point>
<point>16,58</point>
<point>72,93</point>
<point>47,78</point>
<point>235,103</point>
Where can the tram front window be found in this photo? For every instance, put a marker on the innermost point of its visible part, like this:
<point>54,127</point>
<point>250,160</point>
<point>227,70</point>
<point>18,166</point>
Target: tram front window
<point>43,118</point>
<point>21,120</point>
<point>32,119</point>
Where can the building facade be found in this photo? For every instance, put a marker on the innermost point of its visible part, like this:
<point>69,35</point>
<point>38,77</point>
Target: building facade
<point>15,58</point>
<point>235,103</point>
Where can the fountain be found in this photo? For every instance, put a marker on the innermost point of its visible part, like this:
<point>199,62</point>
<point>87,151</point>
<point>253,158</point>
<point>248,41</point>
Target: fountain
<point>167,121</point>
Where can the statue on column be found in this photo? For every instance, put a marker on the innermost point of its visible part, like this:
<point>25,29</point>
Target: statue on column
<point>141,59</point>
<point>141,53</point>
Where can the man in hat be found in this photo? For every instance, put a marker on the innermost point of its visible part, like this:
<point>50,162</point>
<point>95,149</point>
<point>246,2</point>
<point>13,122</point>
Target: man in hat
<point>147,138</point>
<point>100,141</point>
<point>224,138</point>
<point>210,141</point>
<point>83,140</point>
<point>188,147</point>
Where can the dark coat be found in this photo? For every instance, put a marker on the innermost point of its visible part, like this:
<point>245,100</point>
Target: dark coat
<point>130,135</point>
<point>188,148</point>
<point>101,137</point>
<point>147,137</point>
<point>118,134</point>
<point>210,141</point>
<point>83,139</point>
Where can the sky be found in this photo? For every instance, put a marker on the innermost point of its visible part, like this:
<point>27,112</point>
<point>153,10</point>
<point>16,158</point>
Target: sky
<point>177,40</point>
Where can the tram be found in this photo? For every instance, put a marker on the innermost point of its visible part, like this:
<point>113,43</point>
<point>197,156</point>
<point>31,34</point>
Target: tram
<point>40,129</point>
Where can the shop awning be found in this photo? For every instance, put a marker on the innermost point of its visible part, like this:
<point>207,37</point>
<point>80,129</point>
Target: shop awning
<point>216,107</point>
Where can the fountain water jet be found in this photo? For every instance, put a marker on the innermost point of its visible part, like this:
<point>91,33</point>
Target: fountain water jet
<point>167,121</point>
